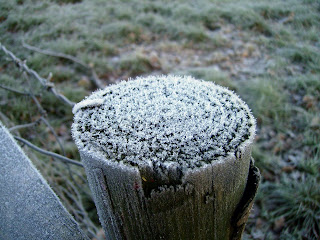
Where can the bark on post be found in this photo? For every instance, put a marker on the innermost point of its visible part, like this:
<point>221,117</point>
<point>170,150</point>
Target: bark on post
<point>168,157</point>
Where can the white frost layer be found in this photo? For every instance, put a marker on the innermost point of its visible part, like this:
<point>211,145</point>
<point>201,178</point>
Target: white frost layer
<point>163,120</point>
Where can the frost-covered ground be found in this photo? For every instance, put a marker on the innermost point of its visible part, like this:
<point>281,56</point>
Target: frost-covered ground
<point>268,52</point>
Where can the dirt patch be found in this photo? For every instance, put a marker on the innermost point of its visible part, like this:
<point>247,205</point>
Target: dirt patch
<point>232,53</point>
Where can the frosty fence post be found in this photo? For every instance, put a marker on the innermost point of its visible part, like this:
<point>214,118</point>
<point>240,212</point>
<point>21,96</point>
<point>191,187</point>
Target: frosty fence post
<point>29,209</point>
<point>168,157</point>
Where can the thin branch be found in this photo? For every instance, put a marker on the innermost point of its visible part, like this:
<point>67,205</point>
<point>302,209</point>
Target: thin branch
<point>38,104</point>
<point>55,54</point>
<point>13,90</point>
<point>54,134</point>
<point>43,113</point>
<point>95,79</point>
<point>48,85</point>
<point>48,153</point>
<point>17,127</point>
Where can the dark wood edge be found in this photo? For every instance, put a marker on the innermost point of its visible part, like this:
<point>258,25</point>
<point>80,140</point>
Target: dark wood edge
<point>242,211</point>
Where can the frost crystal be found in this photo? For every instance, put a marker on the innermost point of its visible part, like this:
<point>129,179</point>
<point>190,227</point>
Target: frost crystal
<point>163,121</point>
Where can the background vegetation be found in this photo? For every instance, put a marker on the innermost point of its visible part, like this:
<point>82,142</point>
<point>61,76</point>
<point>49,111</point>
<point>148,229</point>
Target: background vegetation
<point>267,51</point>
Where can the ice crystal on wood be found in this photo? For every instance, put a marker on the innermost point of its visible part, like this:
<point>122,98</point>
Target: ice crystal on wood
<point>163,121</point>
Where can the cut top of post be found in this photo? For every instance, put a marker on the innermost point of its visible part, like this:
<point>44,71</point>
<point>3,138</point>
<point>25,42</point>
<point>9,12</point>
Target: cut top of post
<point>163,121</point>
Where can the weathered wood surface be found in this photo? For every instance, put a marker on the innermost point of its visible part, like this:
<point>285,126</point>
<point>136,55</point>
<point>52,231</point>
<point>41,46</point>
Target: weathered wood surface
<point>29,209</point>
<point>209,204</point>
<point>168,158</point>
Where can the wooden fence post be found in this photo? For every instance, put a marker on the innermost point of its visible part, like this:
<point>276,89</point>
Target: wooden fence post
<point>168,157</point>
<point>29,209</point>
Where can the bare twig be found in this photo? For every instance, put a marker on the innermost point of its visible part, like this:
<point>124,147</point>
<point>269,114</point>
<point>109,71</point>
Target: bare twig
<point>48,153</point>
<point>38,104</point>
<point>13,90</point>
<point>55,54</point>
<point>48,85</point>
<point>43,113</point>
<point>17,127</point>
<point>54,134</point>
<point>95,79</point>
<point>72,190</point>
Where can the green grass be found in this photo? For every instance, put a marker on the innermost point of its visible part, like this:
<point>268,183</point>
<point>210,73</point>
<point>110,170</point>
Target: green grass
<point>268,100</point>
<point>297,201</point>
<point>123,39</point>
<point>211,75</point>
<point>135,65</point>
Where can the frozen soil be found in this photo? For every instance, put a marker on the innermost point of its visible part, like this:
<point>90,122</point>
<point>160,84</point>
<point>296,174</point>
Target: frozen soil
<point>233,53</point>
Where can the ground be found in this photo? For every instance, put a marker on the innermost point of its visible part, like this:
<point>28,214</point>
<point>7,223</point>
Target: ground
<point>268,52</point>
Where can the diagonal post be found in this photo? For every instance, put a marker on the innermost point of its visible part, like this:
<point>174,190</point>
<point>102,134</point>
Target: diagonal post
<point>29,209</point>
